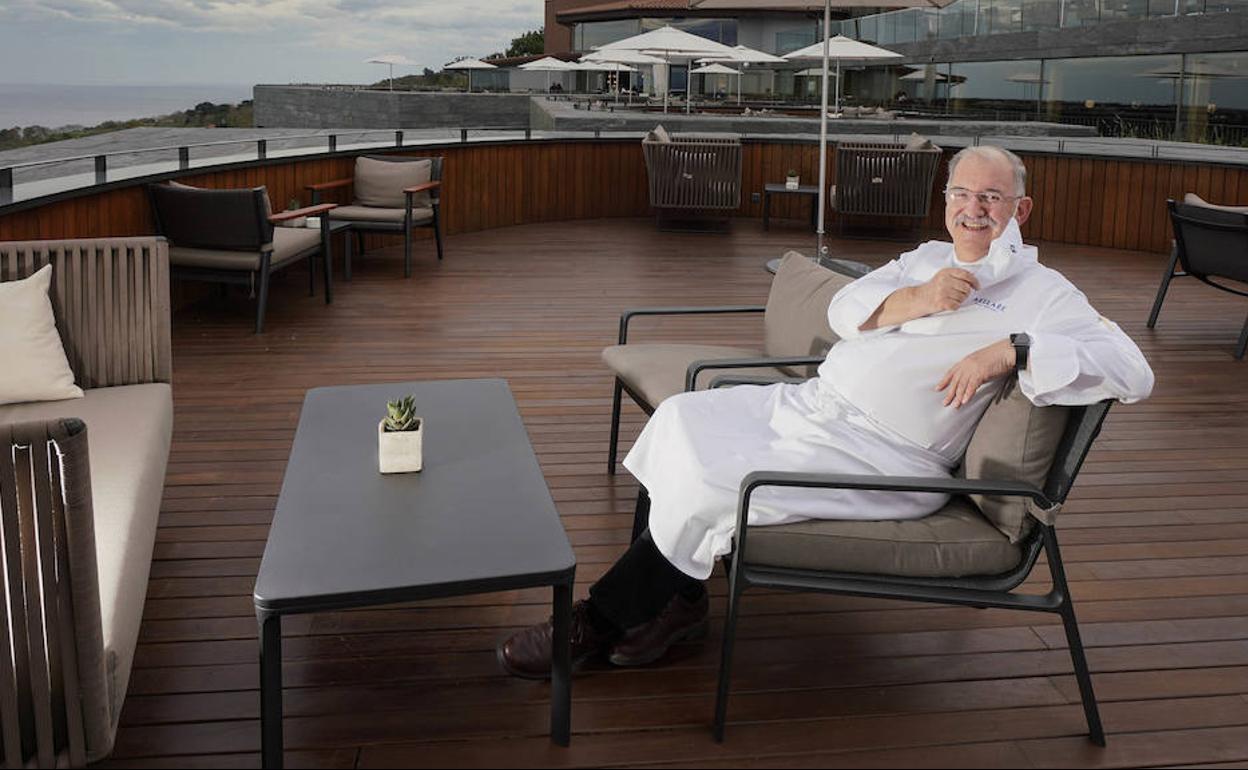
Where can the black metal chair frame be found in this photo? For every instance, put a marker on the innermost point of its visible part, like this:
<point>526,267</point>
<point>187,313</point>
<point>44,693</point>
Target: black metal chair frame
<point>261,275</point>
<point>360,226</point>
<point>976,591</point>
<point>696,368</point>
<point>1179,257</point>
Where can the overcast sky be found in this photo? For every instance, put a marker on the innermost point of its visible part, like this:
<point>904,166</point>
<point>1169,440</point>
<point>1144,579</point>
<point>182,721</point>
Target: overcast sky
<point>140,42</point>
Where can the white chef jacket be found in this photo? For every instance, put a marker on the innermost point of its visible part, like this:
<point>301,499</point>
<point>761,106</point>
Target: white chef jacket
<point>874,408</point>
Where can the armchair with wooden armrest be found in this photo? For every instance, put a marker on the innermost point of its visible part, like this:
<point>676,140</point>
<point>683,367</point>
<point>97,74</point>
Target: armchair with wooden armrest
<point>389,194</point>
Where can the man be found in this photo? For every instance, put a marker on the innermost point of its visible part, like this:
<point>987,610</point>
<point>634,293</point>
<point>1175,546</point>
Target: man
<point>926,341</point>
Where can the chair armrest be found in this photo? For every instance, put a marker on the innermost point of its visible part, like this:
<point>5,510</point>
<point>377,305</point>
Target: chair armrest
<point>307,211</point>
<point>757,479</point>
<point>328,185</point>
<point>628,315</point>
<point>423,186</point>
<point>731,380</point>
<point>697,367</point>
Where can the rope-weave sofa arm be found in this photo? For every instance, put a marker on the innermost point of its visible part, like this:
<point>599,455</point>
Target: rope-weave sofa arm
<point>111,297</point>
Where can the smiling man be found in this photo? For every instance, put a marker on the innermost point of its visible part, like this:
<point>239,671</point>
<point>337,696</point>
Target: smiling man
<point>926,342</point>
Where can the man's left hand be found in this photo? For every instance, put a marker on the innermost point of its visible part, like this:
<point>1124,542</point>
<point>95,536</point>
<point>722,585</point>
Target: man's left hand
<point>961,382</point>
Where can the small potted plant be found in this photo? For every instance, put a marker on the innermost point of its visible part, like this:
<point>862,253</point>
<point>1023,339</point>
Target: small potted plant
<point>398,437</point>
<point>792,181</point>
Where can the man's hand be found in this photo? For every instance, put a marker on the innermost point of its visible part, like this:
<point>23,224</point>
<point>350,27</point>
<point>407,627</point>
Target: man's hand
<point>990,363</point>
<point>946,290</point>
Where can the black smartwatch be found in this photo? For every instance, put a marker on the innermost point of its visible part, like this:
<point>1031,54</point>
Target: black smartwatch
<point>1022,350</point>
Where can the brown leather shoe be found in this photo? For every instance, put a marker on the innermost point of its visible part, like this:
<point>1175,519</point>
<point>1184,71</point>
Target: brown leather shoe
<point>527,654</point>
<point>680,620</point>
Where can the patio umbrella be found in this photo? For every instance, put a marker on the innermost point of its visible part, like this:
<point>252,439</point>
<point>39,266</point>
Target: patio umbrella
<point>469,64</point>
<point>824,50</point>
<point>670,44</point>
<point>621,58</point>
<point>745,56</point>
<point>717,69</point>
<point>548,64</point>
<point>391,59</point>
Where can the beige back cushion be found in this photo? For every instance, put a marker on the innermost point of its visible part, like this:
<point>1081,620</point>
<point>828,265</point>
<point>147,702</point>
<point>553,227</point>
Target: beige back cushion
<point>796,320</point>
<point>381,182</point>
<point>1192,199</point>
<point>1014,441</point>
<point>918,142</point>
<point>35,367</point>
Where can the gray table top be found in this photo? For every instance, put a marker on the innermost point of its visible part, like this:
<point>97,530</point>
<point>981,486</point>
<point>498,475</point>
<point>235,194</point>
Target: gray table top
<point>779,187</point>
<point>479,517</point>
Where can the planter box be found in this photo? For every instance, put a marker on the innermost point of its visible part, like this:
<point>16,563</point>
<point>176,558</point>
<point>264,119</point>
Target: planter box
<point>400,451</point>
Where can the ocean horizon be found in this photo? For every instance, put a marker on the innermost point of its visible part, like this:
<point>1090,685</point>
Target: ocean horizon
<point>57,105</point>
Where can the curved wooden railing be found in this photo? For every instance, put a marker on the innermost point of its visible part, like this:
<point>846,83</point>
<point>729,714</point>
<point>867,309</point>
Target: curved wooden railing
<point>1109,202</point>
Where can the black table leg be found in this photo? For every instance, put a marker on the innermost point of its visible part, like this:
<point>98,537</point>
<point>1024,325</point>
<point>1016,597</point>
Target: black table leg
<point>766,210</point>
<point>270,688</point>
<point>346,239</point>
<point>561,668</point>
<point>814,212</point>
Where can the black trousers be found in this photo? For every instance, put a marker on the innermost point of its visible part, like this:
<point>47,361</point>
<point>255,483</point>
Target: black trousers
<point>639,585</point>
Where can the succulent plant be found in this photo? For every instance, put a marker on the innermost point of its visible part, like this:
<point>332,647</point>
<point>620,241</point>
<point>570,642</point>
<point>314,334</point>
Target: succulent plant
<point>401,415</point>
<point>792,172</point>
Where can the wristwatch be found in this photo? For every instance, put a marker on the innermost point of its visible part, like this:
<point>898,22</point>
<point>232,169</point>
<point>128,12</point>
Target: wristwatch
<point>1022,350</point>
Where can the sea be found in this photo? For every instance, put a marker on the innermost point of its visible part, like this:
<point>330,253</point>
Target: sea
<point>53,106</point>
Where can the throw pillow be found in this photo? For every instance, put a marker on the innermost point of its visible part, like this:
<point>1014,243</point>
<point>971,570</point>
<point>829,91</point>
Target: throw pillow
<point>660,134</point>
<point>918,142</point>
<point>796,320</point>
<point>1192,199</point>
<point>380,183</point>
<point>36,368</point>
<point>1014,441</point>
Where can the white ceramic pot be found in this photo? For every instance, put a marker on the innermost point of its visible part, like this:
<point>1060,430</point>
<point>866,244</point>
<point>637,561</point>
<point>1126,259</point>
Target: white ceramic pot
<point>792,182</point>
<point>399,452</point>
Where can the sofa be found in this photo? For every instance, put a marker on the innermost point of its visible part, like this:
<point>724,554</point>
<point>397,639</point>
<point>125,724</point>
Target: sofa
<point>66,674</point>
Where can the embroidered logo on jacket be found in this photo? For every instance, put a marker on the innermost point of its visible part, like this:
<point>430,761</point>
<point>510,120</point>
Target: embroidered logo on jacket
<point>996,307</point>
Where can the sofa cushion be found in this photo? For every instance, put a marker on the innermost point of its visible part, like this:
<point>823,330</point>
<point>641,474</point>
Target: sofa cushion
<point>359,213</point>
<point>657,370</point>
<point>289,243</point>
<point>128,433</point>
<point>918,142</point>
<point>956,541</point>
<point>35,367</point>
<point>796,320</point>
<point>1014,441</point>
<point>1192,199</point>
<point>381,182</point>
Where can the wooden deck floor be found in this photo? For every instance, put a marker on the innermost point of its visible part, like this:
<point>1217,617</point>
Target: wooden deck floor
<point>1155,539</point>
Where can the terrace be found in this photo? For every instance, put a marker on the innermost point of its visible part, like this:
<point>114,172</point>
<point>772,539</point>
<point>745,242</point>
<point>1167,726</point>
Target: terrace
<point>547,242</point>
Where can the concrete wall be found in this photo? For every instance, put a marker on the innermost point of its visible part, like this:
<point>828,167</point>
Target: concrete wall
<point>561,116</point>
<point>329,107</point>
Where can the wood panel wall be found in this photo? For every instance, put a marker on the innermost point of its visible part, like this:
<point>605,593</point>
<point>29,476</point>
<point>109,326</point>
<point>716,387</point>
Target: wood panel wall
<point>1079,200</point>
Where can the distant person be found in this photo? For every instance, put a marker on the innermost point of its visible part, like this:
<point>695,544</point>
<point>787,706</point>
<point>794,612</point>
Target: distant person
<point>925,344</point>
<point>556,88</point>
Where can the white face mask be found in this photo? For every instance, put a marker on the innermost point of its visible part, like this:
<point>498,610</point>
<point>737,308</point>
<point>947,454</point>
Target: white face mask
<point>1006,256</point>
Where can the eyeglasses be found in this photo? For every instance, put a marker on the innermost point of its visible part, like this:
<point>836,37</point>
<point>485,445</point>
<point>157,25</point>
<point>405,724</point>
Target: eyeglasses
<point>989,198</point>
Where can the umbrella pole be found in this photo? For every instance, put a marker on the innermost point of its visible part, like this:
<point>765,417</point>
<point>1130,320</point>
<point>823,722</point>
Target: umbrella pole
<point>391,77</point>
<point>820,248</point>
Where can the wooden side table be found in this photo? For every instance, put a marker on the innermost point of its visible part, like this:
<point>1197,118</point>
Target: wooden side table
<point>779,188</point>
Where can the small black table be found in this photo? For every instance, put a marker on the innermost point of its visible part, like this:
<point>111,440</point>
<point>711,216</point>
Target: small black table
<point>806,189</point>
<point>478,518</point>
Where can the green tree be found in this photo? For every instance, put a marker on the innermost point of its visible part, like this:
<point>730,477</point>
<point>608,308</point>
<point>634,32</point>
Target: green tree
<point>531,43</point>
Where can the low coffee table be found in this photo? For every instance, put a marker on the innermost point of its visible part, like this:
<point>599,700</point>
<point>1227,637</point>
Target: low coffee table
<point>478,518</point>
<point>779,188</point>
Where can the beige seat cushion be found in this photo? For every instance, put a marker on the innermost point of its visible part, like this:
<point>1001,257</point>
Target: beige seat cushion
<point>956,541</point>
<point>289,243</point>
<point>128,431</point>
<point>657,370</point>
<point>1192,199</point>
<point>381,182</point>
<point>360,213</point>
<point>796,320</point>
<point>1014,441</point>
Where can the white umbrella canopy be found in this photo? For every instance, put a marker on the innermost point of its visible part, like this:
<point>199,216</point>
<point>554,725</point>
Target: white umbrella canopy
<point>671,44</point>
<point>470,64</point>
<point>716,69</point>
<point>392,59</point>
<point>549,64</point>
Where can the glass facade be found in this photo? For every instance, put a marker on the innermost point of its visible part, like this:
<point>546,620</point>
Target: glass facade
<point>1215,98</point>
<point>1121,95</point>
<point>994,17</point>
<point>590,35</point>
<point>995,89</point>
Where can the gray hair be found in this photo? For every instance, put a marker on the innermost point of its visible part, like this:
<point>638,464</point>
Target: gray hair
<point>993,152</point>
